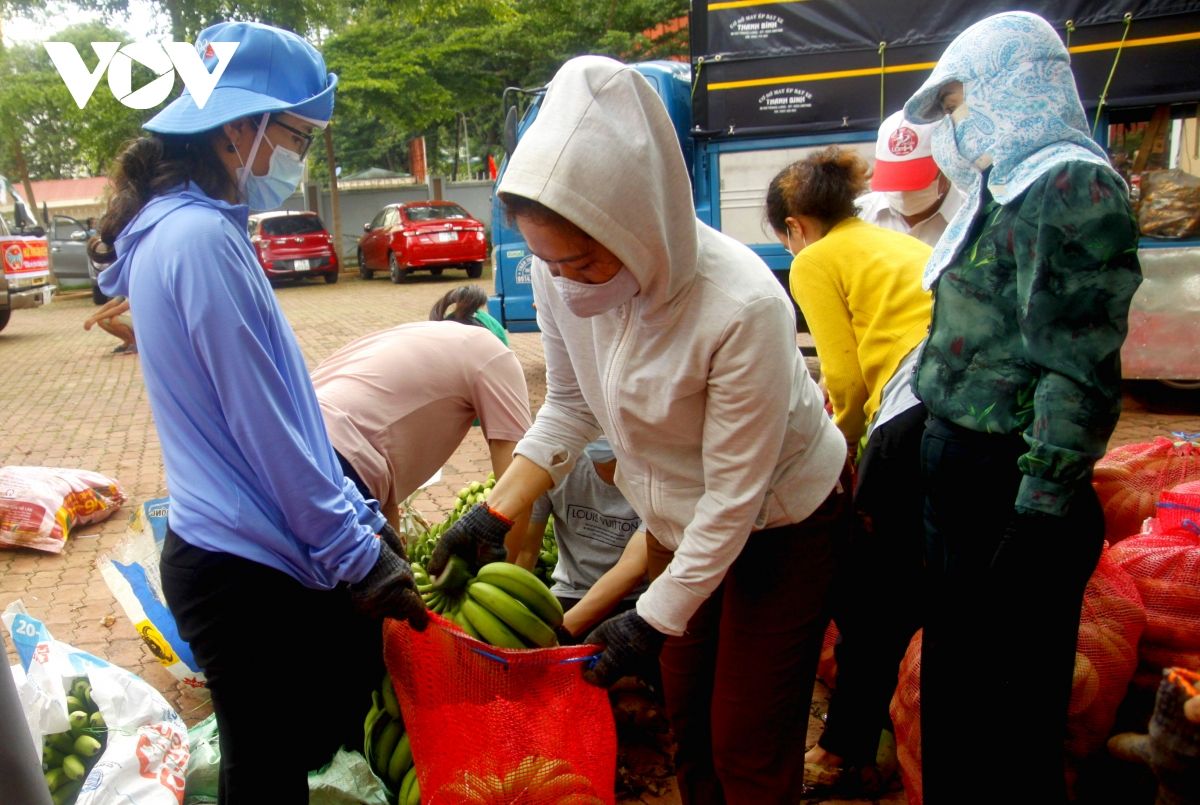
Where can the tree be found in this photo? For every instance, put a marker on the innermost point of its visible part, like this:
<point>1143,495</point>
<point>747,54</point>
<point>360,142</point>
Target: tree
<point>60,140</point>
<point>414,67</point>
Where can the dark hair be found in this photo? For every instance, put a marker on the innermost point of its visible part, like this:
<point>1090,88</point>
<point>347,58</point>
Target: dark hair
<point>148,167</point>
<point>823,185</point>
<point>520,207</point>
<point>459,305</point>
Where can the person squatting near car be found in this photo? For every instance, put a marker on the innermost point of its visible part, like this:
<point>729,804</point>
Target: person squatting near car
<point>269,546</point>
<point>678,344</point>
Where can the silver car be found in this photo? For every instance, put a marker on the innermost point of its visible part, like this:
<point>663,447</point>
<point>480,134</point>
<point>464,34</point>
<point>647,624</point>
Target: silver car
<point>68,255</point>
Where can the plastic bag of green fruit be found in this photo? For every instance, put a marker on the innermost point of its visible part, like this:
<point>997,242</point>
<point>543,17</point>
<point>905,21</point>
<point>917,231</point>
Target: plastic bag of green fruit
<point>104,735</point>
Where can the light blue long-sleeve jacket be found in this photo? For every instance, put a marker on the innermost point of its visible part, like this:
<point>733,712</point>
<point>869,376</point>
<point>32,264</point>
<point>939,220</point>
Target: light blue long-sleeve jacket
<point>250,469</point>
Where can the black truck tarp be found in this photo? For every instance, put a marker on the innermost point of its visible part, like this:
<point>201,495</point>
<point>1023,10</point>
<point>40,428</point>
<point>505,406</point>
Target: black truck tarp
<point>814,66</point>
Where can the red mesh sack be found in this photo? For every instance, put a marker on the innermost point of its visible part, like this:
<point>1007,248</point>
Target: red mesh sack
<point>827,663</point>
<point>1129,479</point>
<point>1166,569</point>
<point>1111,623</point>
<point>905,710</point>
<point>1178,510</point>
<point>493,725</point>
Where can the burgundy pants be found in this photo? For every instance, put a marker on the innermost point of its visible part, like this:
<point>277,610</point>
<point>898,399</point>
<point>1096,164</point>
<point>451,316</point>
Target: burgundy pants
<point>738,685</point>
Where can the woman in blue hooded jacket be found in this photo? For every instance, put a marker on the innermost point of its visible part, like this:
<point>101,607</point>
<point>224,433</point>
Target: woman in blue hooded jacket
<point>272,565</point>
<point>1020,373</point>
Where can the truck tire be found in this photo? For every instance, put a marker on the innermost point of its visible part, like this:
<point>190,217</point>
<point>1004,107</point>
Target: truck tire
<point>474,270</point>
<point>331,277</point>
<point>363,271</point>
<point>5,315</point>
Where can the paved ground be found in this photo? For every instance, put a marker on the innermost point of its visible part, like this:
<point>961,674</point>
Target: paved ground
<point>66,401</point>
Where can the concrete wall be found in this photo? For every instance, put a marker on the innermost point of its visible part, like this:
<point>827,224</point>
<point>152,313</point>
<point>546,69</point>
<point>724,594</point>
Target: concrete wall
<point>360,204</point>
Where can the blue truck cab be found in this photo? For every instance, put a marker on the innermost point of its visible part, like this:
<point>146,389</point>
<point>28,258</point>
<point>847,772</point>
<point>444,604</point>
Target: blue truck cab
<point>512,301</point>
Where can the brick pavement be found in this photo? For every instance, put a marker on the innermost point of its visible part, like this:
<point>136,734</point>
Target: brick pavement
<point>66,400</point>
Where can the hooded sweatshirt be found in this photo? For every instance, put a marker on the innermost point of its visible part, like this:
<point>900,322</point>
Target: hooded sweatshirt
<point>250,470</point>
<point>697,382</point>
<point>1022,115</point>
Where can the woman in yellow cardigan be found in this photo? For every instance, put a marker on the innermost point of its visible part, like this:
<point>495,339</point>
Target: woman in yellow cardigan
<point>859,288</point>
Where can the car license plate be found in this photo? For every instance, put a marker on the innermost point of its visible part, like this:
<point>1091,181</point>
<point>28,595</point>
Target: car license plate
<point>447,237</point>
<point>301,265</point>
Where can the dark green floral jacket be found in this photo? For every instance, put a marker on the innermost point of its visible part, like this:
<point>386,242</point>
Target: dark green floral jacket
<point>1028,322</point>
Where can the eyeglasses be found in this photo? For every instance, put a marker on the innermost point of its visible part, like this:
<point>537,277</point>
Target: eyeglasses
<point>307,138</point>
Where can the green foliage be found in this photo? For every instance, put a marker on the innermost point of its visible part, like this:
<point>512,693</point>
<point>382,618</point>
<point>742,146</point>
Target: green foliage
<point>412,68</point>
<point>407,68</point>
<point>59,139</point>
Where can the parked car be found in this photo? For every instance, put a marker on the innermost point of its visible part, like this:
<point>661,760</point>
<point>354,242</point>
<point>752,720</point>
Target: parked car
<point>68,255</point>
<point>293,245</point>
<point>421,235</point>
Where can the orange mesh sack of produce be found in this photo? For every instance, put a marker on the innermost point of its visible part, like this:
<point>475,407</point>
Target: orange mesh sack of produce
<point>1106,655</point>
<point>490,725</point>
<point>905,710</point>
<point>1165,564</point>
<point>1130,478</point>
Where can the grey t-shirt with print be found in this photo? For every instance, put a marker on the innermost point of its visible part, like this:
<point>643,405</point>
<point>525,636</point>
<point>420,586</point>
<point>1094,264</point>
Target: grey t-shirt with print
<point>592,524</point>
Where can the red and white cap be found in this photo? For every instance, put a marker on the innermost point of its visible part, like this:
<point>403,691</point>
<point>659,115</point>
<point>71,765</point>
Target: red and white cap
<point>903,155</point>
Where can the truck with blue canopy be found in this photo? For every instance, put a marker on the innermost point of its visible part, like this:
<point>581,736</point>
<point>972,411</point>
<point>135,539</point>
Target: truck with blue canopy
<point>769,82</point>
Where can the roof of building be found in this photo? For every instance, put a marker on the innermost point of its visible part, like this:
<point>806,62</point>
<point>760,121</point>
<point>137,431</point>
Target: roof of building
<point>87,190</point>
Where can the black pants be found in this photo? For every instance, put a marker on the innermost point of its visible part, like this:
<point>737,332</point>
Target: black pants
<point>879,589</point>
<point>290,669</point>
<point>998,651</point>
<point>356,479</point>
<point>738,684</point>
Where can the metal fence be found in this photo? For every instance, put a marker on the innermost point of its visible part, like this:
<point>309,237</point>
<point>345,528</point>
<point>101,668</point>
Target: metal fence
<point>360,201</point>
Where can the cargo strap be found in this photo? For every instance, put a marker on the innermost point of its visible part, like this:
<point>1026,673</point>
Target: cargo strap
<point>882,73</point>
<point>1111,72</point>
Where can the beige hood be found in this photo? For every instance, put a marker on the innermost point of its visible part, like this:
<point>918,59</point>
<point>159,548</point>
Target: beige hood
<point>600,132</point>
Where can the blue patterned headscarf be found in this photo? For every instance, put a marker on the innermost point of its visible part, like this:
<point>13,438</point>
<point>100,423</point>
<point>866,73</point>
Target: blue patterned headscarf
<point>1023,117</point>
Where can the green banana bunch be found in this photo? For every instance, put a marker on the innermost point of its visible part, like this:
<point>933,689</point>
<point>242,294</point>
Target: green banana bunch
<point>507,606</point>
<point>410,789</point>
<point>67,757</point>
<point>540,780</point>
<point>468,496</point>
<point>386,743</point>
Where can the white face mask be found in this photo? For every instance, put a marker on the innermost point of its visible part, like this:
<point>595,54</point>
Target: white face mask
<point>586,300</point>
<point>788,234</point>
<point>911,202</point>
<point>284,172</point>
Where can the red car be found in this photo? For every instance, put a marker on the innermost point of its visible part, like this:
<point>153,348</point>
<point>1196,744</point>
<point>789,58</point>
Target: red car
<point>293,245</point>
<point>432,235</point>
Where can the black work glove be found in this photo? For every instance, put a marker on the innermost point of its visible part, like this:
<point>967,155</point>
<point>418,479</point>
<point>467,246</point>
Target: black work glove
<point>388,590</point>
<point>394,541</point>
<point>477,537</point>
<point>631,647</point>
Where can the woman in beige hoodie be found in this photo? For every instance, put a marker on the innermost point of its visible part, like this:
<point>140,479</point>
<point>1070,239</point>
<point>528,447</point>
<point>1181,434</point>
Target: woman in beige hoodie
<point>679,344</point>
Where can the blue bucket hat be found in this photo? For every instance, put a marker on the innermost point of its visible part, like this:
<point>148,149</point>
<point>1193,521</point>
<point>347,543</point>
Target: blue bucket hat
<point>272,70</point>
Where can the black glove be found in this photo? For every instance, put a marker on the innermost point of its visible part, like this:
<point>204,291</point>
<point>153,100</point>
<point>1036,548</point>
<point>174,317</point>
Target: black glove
<point>388,590</point>
<point>394,541</point>
<point>477,536</point>
<point>631,646</point>
<point>565,638</point>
